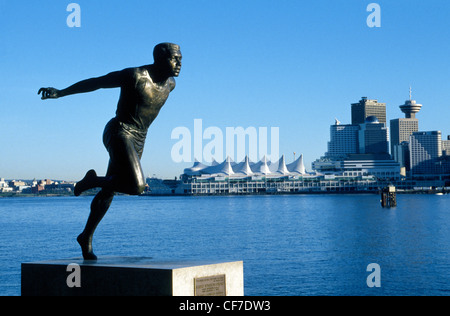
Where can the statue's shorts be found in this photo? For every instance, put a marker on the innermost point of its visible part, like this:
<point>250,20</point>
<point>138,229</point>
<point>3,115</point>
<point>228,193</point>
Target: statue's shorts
<point>117,133</point>
<point>125,145</point>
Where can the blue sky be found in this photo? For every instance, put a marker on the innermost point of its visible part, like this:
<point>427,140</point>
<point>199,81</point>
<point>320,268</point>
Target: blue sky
<point>292,64</point>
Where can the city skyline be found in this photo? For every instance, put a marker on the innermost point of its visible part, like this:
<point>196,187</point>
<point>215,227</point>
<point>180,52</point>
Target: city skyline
<point>292,65</point>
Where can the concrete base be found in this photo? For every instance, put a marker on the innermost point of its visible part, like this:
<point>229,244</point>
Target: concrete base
<point>130,276</point>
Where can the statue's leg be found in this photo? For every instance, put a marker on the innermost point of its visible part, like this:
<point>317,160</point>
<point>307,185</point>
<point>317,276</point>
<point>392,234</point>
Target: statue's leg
<point>124,175</point>
<point>124,172</point>
<point>99,207</point>
<point>89,181</point>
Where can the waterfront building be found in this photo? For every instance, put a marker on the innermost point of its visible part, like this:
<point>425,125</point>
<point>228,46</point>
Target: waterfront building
<point>262,177</point>
<point>401,130</point>
<point>360,173</point>
<point>381,166</point>
<point>425,151</point>
<point>373,137</point>
<point>278,185</point>
<point>362,148</point>
<point>343,140</point>
<point>354,173</point>
<point>402,156</point>
<point>365,108</point>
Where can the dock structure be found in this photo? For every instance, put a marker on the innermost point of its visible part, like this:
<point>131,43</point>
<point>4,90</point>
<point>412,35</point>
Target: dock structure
<point>389,197</point>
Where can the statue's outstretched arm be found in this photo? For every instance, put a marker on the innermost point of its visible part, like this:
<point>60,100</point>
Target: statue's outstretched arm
<point>111,80</point>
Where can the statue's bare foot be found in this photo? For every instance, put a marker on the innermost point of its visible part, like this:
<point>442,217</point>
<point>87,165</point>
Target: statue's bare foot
<point>86,247</point>
<point>88,182</point>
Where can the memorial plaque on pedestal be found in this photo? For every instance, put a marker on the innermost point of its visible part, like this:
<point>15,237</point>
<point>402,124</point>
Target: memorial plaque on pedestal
<point>210,286</point>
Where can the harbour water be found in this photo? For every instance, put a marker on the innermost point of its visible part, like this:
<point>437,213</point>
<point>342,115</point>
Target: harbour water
<point>291,245</point>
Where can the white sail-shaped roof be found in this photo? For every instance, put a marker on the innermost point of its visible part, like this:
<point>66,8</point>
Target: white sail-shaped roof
<point>195,169</point>
<point>261,167</point>
<point>273,166</point>
<point>282,166</point>
<point>244,167</point>
<point>226,167</point>
<point>223,168</point>
<point>248,168</point>
<point>297,166</point>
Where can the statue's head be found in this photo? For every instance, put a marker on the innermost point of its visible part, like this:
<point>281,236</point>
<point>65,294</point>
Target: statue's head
<point>168,57</point>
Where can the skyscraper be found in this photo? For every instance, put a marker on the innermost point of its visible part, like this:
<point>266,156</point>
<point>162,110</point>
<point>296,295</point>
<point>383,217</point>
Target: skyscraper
<point>343,140</point>
<point>425,150</point>
<point>401,129</point>
<point>365,108</point>
<point>373,137</point>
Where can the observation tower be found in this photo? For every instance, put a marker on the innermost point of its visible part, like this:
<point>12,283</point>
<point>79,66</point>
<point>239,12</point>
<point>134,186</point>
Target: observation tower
<point>410,108</point>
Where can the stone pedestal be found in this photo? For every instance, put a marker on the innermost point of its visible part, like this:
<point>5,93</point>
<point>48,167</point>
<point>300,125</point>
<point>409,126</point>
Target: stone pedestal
<point>130,276</point>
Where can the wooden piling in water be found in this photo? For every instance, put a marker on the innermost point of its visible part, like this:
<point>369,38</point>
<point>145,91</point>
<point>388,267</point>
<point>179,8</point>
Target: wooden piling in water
<point>389,197</point>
